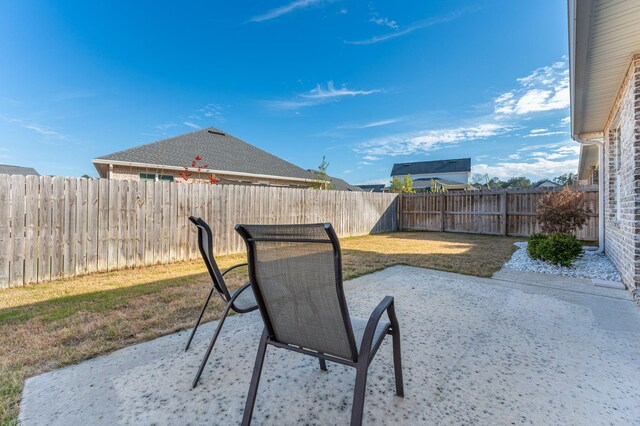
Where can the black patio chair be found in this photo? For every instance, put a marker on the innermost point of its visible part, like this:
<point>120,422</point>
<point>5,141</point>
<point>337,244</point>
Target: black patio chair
<point>240,300</point>
<point>296,275</point>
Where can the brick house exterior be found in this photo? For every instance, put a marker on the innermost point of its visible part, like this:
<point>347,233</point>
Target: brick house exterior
<point>604,57</point>
<point>622,178</point>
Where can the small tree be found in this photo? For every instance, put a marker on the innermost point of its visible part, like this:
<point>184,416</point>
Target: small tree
<point>566,179</point>
<point>518,182</point>
<point>404,185</point>
<point>437,187</point>
<point>562,211</point>
<point>321,179</point>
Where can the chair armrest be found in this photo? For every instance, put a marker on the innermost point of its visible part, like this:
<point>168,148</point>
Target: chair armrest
<point>234,267</point>
<point>386,305</point>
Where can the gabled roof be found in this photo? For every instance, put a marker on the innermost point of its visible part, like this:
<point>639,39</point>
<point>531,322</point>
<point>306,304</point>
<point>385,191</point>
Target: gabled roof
<point>342,185</point>
<point>542,182</point>
<point>338,184</point>
<point>219,150</point>
<point>372,188</point>
<point>6,169</point>
<point>430,167</point>
<point>424,183</point>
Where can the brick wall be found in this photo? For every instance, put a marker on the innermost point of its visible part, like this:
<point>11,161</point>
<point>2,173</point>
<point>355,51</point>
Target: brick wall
<point>622,179</point>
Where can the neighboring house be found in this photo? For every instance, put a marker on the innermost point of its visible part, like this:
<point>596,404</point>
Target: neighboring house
<point>452,174</point>
<point>341,185</point>
<point>604,55</point>
<point>545,184</point>
<point>227,158</point>
<point>6,169</point>
<point>372,188</point>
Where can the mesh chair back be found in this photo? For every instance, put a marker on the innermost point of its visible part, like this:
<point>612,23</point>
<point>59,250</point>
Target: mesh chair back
<point>296,275</point>
<point>205,244</point>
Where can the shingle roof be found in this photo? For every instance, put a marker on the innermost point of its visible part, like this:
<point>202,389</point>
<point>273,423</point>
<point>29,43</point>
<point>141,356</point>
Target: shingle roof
<point>7,169</point>
<point>429,167</point>
<point>219,150</point>
<point>542,182</point>
<point>428,183</point>
<point>338,184</point>
<point>342,185</point>
<point>372,188</point>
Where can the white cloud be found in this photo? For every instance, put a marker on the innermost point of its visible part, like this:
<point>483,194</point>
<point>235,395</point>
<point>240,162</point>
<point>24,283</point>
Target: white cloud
<point>535,169</point>
<point>331,92</point>
<point>192,125</point>
<point>368,125</point>
<point>544,132</point>
<point>545,89</point>
<point>385,22</point>
<point>283,10</point>
<point>380,181</point>
<point>320,95</point>
<point>565,120</point>
<point>409,29</point>
<point>45,131</point>
<point>429,140</point>
<point>165,126</point>
<point>370,158</point>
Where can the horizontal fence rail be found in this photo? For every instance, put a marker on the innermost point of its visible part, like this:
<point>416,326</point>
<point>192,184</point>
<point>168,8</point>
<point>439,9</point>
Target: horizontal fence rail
<point>505,212</point>
<point>56,227</point>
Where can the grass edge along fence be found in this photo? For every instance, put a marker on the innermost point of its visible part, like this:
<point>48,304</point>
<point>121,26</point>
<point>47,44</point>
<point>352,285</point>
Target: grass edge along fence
<point>57,227</point>
<point>501,212</point>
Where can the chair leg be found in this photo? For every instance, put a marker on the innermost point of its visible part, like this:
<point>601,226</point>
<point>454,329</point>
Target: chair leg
<point>323,364</point>
<point>213,341</point>
<point>397,355</point>
<point>397,362</point>
<point>359,392</point>
<point>255,380</point>
<point>206,302</point>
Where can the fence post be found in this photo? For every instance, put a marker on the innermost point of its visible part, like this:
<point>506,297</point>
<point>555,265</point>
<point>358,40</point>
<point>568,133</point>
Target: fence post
<point>503,213</point>
<point>443,202</point>
<point>399,209</point>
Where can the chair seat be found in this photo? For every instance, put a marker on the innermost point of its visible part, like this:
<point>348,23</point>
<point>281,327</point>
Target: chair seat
<point>246,300</point>
<point>359,325</point>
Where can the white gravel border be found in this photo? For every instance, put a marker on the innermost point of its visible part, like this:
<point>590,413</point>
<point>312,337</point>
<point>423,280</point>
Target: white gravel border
<point>589,265</point>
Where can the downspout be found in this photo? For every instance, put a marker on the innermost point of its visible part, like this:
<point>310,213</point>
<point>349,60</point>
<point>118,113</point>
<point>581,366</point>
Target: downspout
<point>600,142</point>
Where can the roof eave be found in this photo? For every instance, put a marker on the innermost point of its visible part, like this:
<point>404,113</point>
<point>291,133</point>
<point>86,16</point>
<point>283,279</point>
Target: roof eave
<point>579,30</point>
<point>99,161</point>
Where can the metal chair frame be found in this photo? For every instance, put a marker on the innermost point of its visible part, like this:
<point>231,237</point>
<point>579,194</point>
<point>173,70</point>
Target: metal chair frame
<point>359,360</point>
<point>219,287</point>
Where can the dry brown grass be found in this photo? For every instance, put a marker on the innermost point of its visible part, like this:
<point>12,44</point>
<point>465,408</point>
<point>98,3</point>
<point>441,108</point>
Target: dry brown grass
<point>47,326</point>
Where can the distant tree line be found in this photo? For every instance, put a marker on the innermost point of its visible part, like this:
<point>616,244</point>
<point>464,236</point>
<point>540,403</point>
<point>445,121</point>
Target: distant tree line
<point>484,181</point>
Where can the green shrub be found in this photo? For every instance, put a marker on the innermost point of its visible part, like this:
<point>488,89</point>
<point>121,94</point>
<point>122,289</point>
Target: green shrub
<point>559,248</point>
<point>534,244</point>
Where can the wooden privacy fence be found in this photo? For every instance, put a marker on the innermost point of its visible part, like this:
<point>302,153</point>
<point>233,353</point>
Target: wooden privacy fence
<point>510,212</point>
<point>55,227</point>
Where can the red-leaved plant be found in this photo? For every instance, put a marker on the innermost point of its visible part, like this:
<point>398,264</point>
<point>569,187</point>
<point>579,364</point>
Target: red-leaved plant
<point>195,164</point>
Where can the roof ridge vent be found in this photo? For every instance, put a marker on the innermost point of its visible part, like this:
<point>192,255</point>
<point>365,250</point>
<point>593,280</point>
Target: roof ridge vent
<point>215,132</point>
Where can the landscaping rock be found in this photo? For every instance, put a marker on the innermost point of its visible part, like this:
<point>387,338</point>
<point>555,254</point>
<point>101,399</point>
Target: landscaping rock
<point>589,265</point>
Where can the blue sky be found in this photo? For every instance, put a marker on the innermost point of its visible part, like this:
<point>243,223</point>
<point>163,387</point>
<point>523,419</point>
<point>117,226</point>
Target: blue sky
<point>365,83</point>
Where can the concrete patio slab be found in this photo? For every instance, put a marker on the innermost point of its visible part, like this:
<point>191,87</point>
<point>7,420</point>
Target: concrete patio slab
<point>475,351</point>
